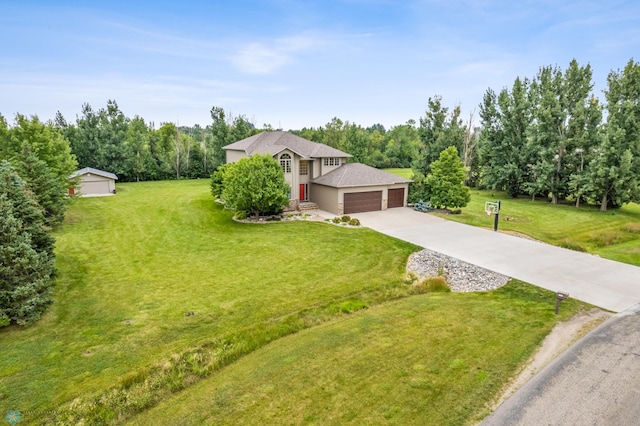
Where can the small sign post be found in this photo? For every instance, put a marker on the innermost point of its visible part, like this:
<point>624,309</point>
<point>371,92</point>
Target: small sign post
<point>493,207</point>
<point>560,296</point>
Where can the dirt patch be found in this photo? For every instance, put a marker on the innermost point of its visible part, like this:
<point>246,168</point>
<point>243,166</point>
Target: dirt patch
<point>560,339</point>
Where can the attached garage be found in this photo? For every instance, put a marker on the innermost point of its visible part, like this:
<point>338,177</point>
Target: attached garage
<point>359,202</point>
<point>93,182</point>
<point>396,198</point>
<point>358,188</point>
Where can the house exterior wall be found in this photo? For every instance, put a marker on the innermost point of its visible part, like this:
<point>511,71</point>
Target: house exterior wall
<point>292,177</point>
<point>324,169</point>
<point>326,197</point>
<point>233,156</point>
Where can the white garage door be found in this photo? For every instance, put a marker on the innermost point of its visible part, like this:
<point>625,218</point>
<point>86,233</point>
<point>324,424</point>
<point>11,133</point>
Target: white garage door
<point>97,187</point>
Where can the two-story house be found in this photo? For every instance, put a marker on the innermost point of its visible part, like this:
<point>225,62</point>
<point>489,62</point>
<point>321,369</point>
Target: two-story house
<point>320,174</point>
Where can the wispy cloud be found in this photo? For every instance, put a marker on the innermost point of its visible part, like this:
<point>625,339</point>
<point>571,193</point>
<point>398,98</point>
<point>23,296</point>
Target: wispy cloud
<point>266,58</point>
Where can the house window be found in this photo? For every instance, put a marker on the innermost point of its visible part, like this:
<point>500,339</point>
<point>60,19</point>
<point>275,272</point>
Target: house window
<point>332,161</point>
<point>285,163</point>
<point>304,168</point>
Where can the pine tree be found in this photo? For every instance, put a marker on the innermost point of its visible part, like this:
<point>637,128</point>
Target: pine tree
<point>445,183</point>
<point>26,252</point>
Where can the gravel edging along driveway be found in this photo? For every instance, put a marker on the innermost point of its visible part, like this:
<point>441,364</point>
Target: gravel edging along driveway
<point>461,276</point>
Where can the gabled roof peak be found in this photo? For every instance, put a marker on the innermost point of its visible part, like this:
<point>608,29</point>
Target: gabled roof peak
<point>272,142</point>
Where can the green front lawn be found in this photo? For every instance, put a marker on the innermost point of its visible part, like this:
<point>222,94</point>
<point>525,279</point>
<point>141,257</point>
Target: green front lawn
<point>132,265</point>
<point>426,360</point>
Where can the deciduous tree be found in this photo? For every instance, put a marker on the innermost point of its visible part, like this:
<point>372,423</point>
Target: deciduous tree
<point>255,185</point>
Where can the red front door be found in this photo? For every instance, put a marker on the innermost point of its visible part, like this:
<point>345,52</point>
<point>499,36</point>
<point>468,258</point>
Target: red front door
<point>303,195</point>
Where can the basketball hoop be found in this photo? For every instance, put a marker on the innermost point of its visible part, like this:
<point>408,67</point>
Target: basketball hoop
<point>491,207</point>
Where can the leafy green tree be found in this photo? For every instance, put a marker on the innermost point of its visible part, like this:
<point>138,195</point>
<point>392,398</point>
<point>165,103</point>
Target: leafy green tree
<point>139,161</point>
<point>356,143</point>
<point>402,144</point>
<point>255,185</point>
<point>26,252</point>
<point>333,134</point>
<point>219,136</point>
<point>438,130</point>
<point>503,145</point>
<point>445,183</point>
<point>46,141</point>
<point>613,172</point>
<point>562,100</point>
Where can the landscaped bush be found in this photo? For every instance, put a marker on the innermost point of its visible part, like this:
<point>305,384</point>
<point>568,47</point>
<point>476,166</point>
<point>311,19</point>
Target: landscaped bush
<point>422,206</point>
<point>354,221</point>
<point>345,218</point>
<point>336,220</point>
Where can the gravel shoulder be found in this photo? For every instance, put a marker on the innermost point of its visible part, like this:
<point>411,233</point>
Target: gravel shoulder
<point>461,276</point>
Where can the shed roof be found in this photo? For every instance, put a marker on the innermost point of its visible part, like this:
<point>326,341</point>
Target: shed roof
<point>356,174</point>
<point>274,142</point>
<point>91,170</point>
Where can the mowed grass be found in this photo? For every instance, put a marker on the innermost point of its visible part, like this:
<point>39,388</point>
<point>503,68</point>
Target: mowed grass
<point>131,266</point>
<point>405,173</point>
<point>434,359</point>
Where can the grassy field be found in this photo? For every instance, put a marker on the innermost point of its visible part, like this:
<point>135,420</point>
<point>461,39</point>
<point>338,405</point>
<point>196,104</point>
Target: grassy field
<point>426,360</point>
<point>405,173</point>
<point>132,265</point>
<point>158,288</point>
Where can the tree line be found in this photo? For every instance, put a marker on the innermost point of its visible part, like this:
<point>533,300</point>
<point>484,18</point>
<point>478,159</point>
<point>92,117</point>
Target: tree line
<point>549,136</point>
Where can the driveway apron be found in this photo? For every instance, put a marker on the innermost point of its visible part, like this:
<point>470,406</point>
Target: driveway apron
<point>605,283</point>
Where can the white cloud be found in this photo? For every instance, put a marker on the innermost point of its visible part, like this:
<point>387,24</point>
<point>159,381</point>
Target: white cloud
<point>259,59</point>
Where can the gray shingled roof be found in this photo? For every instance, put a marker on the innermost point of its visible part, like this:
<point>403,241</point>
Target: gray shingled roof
<point>356,174</point>
<point>274,142</point>
<point>93,171</point>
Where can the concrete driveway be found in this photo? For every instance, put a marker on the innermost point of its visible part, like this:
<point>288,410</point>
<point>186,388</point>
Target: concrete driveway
<point>610,285</point>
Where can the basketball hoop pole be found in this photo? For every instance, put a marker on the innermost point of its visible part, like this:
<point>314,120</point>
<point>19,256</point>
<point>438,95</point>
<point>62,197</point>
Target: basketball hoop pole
<point>495,219</point>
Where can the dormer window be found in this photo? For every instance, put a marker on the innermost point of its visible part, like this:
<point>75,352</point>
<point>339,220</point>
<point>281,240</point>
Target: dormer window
<point>285,163</point>
<point>332,161</point>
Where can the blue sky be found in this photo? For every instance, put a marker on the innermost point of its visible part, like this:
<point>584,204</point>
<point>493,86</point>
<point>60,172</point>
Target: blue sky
<point>291,63</point>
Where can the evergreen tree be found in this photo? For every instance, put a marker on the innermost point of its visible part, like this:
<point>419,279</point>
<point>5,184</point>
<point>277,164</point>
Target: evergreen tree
<point>26,252</point>
<point>445,183</point>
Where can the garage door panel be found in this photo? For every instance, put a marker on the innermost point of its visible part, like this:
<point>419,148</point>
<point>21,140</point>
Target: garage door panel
<point>95,187</point>
<point>359,202</point>
<point>396,198</point>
